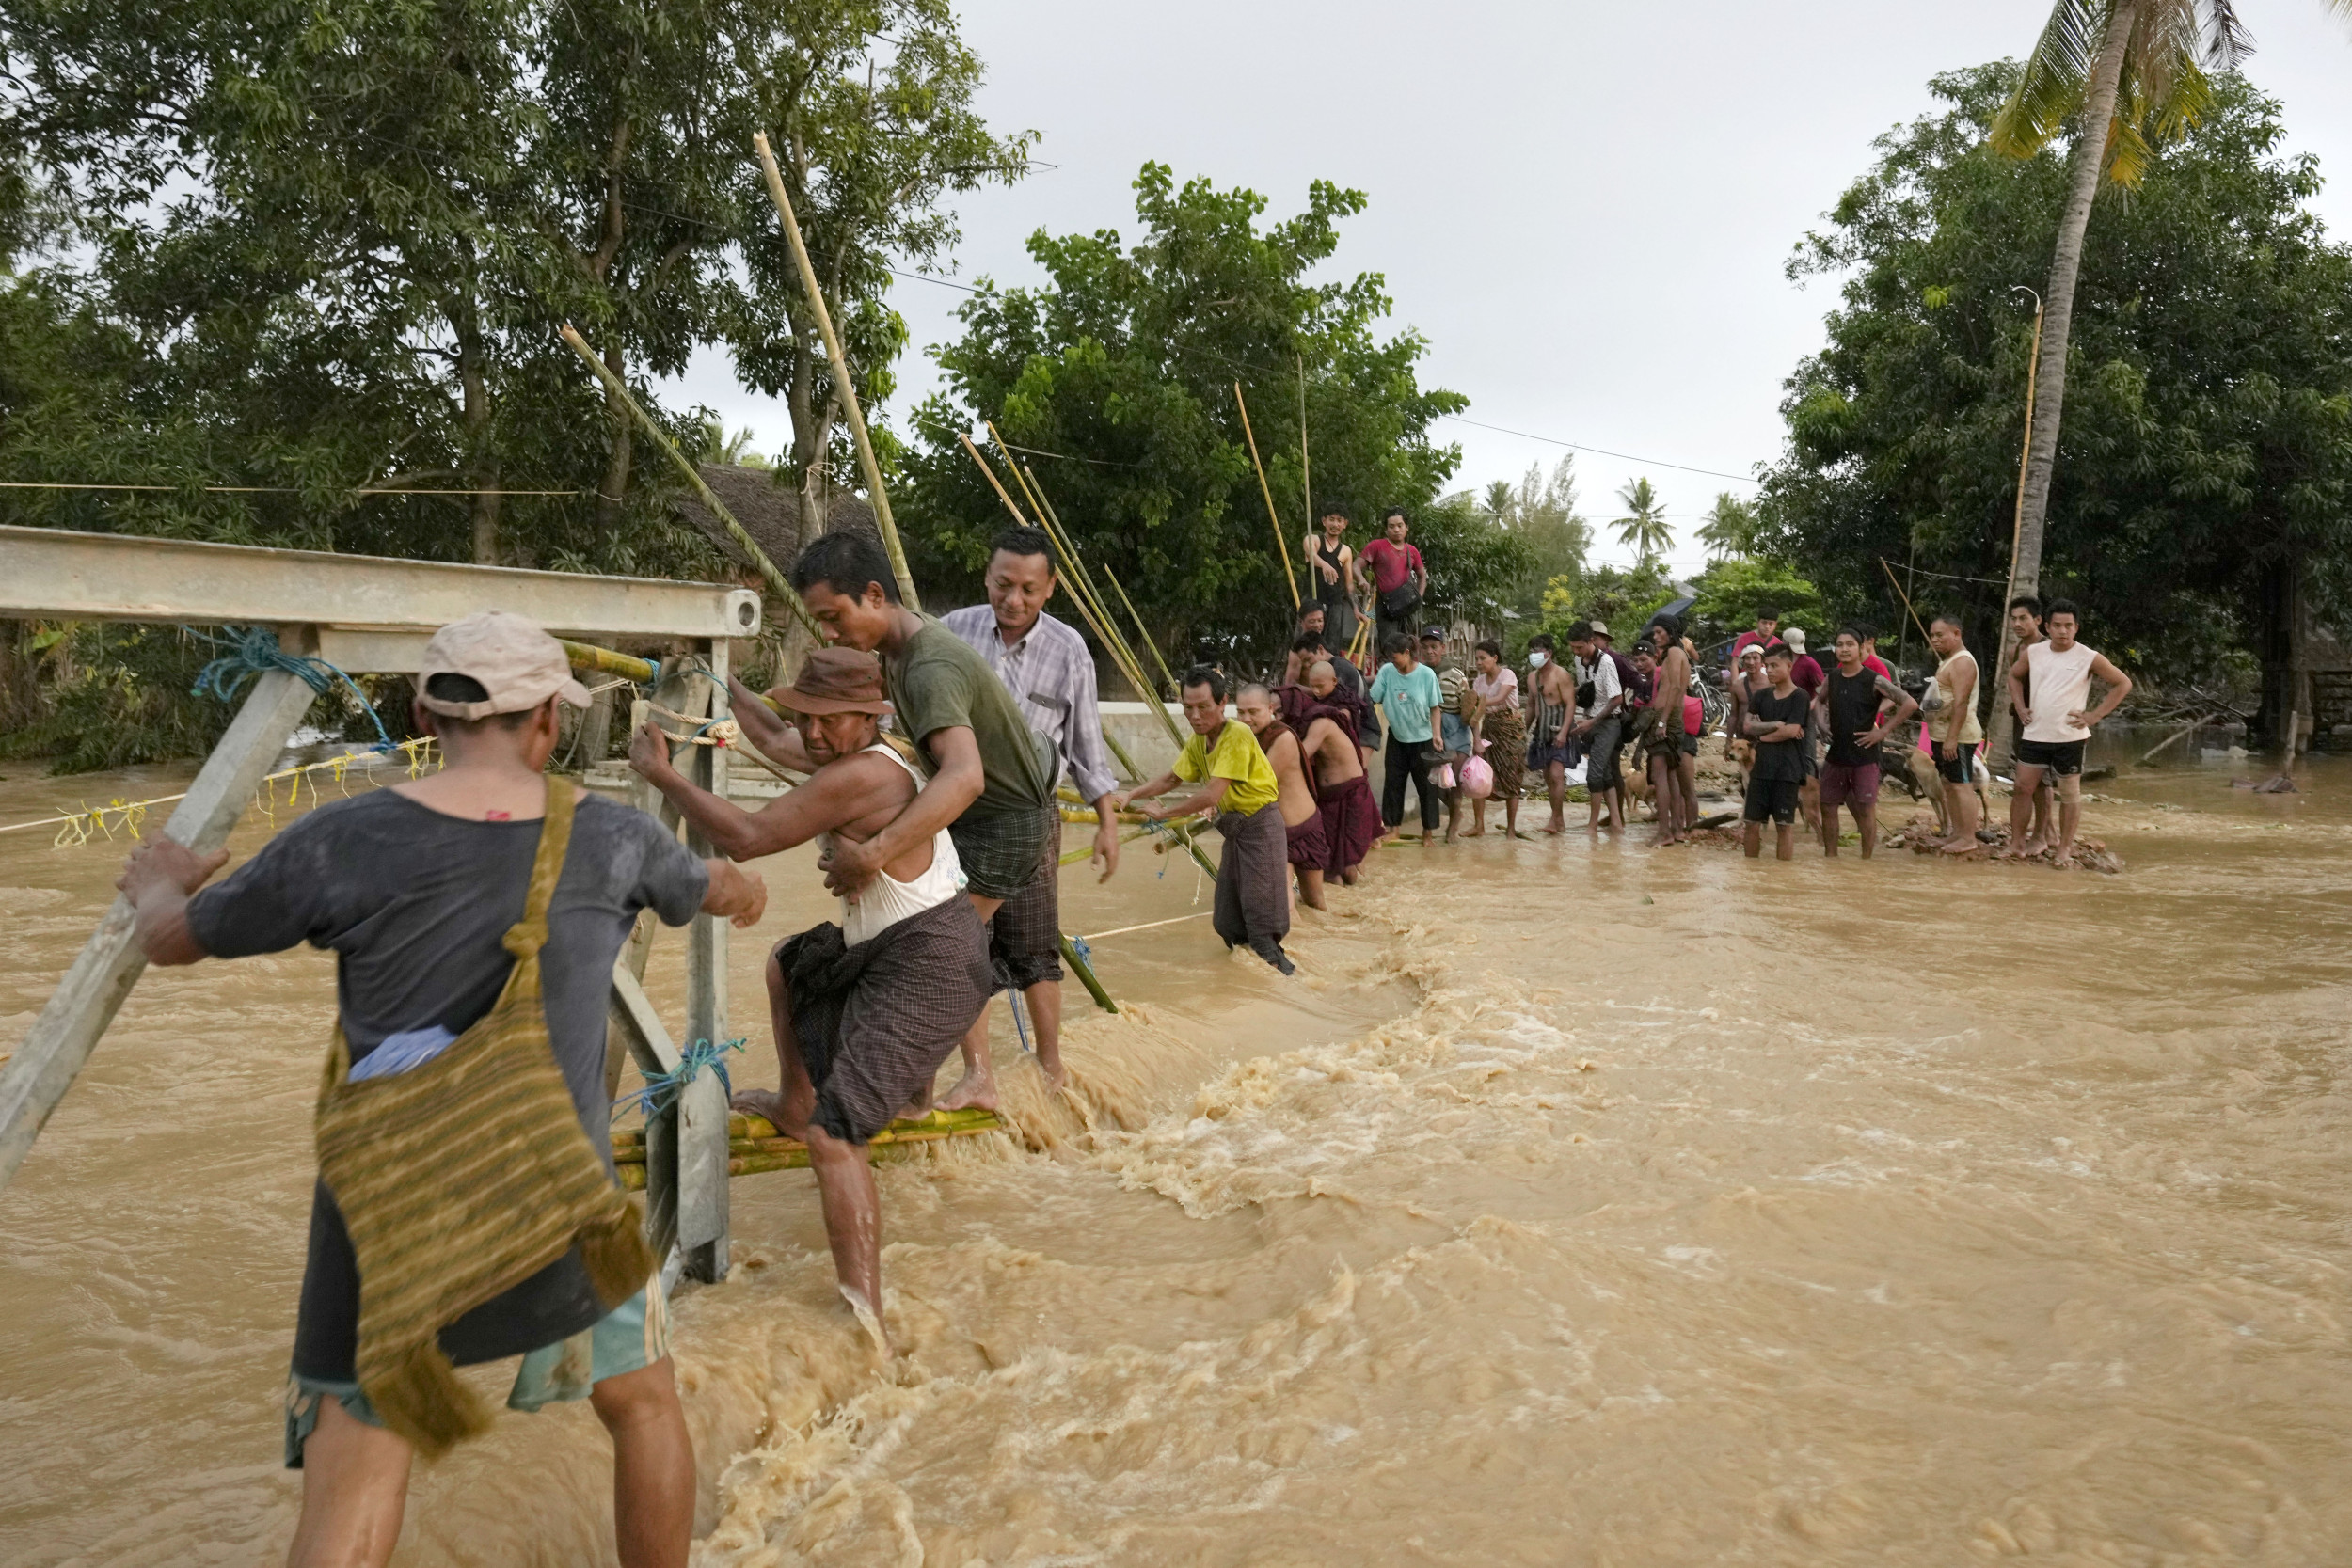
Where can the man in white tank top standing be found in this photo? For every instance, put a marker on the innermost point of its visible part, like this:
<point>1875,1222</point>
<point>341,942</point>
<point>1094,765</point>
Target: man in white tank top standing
<point>2058,721</point>
<point>865,1012</point>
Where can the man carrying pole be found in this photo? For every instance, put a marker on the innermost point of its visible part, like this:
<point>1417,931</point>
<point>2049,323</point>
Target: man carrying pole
<point>1044,663</point>
<point>475,914</point>
<point>992,781</point>
<point>1223,757</point>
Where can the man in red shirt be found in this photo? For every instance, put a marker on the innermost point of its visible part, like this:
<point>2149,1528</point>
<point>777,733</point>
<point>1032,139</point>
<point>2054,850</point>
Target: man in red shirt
<point>1767,622</point>
<point>1870,659</point>
<point>1399,580</point>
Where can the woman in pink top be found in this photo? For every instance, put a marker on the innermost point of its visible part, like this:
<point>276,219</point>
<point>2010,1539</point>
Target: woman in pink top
<point>1504,734</point>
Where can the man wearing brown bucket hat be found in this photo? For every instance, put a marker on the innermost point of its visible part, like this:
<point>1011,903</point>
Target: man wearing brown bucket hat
<point>418,889</point>
<point>991,777</point>
<point>864,1011</point>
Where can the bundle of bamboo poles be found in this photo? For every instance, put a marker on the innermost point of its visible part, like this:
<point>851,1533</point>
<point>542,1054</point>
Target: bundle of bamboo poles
<point>755,1144</point>
<point>1094,606</point>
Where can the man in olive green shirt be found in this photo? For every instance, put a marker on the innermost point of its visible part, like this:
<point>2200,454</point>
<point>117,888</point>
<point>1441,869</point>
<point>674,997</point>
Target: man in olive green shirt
<point>991,777</point>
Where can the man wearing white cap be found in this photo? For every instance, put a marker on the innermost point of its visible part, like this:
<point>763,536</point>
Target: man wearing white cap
<point>418,889</point>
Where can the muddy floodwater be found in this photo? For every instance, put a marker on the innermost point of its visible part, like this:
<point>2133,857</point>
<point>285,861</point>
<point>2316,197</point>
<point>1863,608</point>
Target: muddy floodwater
<point>1576,1204</point>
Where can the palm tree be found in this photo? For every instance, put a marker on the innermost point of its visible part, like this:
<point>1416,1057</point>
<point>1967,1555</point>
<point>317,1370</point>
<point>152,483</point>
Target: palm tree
<point>1644,527</point>
<point>1730,527</point>
<point>2131,73</point>
<point>1503,498</point>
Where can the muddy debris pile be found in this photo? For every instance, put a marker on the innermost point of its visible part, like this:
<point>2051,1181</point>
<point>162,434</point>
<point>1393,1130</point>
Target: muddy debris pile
<point>1921,837</point>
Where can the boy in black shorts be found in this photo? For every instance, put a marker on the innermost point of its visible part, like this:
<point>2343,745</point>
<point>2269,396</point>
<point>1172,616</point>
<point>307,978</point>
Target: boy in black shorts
<point>1775,722</point>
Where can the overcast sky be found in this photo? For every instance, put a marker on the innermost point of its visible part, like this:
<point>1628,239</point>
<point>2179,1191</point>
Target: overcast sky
<point>1584,207</point>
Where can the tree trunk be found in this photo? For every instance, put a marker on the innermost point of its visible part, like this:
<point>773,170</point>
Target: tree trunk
<point>482,468</point>
<point>614,489</point>
<point>2284,639</point>
<point>2084,170</point>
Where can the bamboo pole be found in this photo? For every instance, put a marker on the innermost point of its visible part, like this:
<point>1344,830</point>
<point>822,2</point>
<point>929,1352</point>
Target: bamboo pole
<point>840,373</point>
<point>993,483</point>
<point>587,656</point>
<point>748,1126</point>
<point>1002,451</point>
<point>1905,597</point>
<point>768,570</point>
<point>1077,961</point>
<point>1143,634</point>
<point>1272,516</point>
<point>1074,856</point>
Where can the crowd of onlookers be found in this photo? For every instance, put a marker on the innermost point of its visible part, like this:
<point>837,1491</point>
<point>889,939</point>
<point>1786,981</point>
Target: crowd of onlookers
<point>1811,735</point>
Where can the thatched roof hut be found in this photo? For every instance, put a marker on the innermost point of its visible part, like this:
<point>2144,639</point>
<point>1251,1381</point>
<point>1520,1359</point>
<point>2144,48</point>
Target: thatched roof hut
<point>769,512</point>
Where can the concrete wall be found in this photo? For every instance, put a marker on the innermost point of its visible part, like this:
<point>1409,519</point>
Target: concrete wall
<point>1146,738</point>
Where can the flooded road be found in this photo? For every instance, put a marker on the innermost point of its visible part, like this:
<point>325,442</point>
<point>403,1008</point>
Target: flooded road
<point>1577,1203</point>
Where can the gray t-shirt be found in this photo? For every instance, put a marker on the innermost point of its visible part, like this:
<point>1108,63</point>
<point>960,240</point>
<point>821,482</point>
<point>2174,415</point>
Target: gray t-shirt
<point>413,904</point>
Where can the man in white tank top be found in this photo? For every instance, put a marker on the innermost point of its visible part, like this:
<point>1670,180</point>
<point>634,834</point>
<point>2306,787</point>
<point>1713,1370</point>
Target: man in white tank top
<point>865,1012</point>
<point>2058,721</point>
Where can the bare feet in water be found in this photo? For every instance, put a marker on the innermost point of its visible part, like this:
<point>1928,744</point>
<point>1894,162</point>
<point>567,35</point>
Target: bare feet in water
<point>977,1090</point>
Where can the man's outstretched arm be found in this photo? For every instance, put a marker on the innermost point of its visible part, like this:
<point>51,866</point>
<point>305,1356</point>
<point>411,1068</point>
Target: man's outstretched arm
<point>735,894</point>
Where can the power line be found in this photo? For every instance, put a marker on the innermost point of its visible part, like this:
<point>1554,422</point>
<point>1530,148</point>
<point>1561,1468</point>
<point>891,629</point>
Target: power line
<point>1602,452</point>
<point>267,489</point>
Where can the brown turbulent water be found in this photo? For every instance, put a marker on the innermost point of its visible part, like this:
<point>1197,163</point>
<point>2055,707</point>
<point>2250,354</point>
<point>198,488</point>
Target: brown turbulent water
<point>1575,1205</point>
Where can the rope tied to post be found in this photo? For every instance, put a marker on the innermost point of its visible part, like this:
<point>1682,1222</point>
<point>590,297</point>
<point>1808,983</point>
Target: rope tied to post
<point>254,651</point>
<point>661,1091</point>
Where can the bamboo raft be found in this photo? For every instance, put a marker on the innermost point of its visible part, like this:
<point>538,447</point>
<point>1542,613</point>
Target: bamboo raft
<point>755,1144</point>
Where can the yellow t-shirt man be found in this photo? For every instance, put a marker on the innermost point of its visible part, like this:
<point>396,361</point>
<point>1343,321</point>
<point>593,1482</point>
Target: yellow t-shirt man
<point>1238,757</point>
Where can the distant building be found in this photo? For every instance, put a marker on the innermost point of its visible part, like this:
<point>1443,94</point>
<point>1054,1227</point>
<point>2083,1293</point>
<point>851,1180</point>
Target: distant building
<point>769,512</point>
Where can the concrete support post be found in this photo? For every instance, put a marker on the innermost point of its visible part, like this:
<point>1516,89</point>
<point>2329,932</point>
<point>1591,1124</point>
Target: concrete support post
<point>702,1132</point>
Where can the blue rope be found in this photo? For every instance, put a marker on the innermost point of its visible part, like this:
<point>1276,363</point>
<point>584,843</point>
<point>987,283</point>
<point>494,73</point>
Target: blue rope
<point>661,1091</point>
<point>253,650</point>
<point>1078,946</point>
<point>1020,1028</point>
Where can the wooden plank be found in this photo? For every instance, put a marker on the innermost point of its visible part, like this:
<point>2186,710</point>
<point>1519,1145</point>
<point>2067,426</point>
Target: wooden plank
<point>121,576</point>
<point>701,1173</point>
<point>86,1001</point>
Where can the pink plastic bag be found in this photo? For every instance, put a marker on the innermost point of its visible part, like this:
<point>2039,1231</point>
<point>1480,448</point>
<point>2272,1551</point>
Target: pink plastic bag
<point>1443,777</point>
<point>1478,777</point>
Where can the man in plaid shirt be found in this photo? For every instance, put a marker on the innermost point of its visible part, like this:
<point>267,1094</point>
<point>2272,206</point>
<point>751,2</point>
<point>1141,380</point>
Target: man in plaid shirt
<point>1045,665</point>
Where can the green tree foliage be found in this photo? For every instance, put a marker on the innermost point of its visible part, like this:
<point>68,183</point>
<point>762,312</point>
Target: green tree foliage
<point>1475,562</point>
<point>1644,527</point>
<point>2207,454</point>
<point>1730,531</point>
<point>341,237</point>
<point>1124,362</point>
<point>1625,596</point>
<point>1731,592</point>
<point>1542,512</point>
